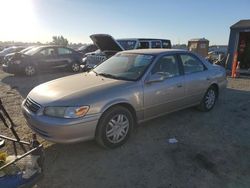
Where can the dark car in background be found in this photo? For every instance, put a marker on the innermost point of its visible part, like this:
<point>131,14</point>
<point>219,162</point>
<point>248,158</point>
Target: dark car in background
<point>87,48</point>
<point>9,50</point>
<point>44,58</point>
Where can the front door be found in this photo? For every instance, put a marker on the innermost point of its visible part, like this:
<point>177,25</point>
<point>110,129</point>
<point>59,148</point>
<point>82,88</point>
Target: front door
<point>46,58</point>
<point>166,94</point>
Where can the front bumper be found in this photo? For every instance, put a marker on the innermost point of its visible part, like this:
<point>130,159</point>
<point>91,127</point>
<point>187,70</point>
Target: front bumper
<point>11,69</point>
<point>60,130</point>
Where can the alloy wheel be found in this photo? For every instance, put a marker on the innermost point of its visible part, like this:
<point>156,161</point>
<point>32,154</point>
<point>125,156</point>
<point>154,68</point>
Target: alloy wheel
<point>210,99</point>
<point>75,67</point>
<point>30,70</point>
<point>117,128</point>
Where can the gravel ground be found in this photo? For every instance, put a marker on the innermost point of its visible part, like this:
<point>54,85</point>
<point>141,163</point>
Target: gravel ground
<point>213,148</point>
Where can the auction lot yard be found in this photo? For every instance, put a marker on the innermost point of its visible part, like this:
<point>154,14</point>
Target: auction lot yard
<point>213,148</point>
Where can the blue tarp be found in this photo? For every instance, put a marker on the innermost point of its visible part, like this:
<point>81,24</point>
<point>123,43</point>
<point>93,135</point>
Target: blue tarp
<point>14,181</point>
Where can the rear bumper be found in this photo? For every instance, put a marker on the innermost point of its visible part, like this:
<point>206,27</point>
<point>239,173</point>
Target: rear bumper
<point>60,130</point>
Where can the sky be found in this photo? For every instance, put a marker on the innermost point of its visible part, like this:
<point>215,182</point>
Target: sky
<point>177,20</point>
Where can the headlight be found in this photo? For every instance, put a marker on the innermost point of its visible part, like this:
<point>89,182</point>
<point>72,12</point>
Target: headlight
<point>84,59</point>
<point>16,62</point>
<point>66,112</point>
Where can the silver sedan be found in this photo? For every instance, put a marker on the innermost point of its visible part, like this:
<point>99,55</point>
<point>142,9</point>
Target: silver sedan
<point>131,87</point>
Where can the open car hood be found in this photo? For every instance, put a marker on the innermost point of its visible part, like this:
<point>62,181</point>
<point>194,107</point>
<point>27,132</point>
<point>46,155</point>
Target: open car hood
<point>106,43</point>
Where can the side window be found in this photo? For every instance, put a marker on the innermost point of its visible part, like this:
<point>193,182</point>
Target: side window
<point>143,45</point>
<point>166,44</point>
<point>63,51</point>
<point>167,66</point>
<point>47,52</point>
<point>191,64</point>
<point>155,44</point>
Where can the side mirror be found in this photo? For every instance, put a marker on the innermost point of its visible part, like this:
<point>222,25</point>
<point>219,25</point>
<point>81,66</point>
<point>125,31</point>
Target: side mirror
<point>155,78</point>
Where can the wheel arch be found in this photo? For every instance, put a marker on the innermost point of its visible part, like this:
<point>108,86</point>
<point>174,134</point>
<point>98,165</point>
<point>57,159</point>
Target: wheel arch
<point>124,104</point>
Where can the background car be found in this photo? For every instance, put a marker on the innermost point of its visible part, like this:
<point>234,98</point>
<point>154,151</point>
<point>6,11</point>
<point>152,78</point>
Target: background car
<point>215,55</point>
<point>12,49</point>
<point>109,46</point>
<point>44,58</point>
<point>86,49</point>
<point>128,88</point>
<point>11,55</point>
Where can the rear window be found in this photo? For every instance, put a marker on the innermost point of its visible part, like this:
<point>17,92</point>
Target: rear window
<point>166,44</point>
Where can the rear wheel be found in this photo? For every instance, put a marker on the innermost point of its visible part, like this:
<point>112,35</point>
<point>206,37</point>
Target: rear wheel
<point>114,127</point>
<point>209,99</point>
<point>29,70</point>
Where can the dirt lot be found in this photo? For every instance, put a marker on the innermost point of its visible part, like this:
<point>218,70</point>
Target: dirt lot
<point>213,148</point>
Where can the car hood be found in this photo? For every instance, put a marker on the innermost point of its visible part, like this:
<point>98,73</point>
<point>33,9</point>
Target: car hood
<point>79,89</point>
<point>106,43</point>
<point>10,54</point>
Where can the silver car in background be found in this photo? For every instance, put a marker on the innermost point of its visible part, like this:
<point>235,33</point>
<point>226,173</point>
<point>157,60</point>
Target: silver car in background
<point>129,88</point>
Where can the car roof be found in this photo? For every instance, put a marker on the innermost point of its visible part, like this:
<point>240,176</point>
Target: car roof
<point>154,51</point>
<point>52,46</point>
<point>141,39</point>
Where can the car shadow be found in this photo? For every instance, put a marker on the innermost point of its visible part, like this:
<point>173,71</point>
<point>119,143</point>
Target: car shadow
<point>24,84</point>
<point>210,151</point>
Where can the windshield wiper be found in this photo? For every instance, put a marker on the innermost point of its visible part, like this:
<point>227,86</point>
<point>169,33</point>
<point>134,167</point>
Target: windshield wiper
<point>113,76</point>
<point>94,72</point>
<point>108,75</point>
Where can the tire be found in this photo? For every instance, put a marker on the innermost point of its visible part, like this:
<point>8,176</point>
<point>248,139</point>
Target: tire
<point>114,127</point>
<point>75,67</point>
<point>29,70</point>
<point>209,99</point>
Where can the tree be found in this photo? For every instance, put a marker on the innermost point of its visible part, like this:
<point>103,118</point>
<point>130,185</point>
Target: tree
<point>60,40</point>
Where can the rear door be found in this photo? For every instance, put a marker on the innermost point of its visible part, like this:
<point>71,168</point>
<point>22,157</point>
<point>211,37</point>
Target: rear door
<point>166,95</point>
<point>65,56</point>
<point>197,78</point>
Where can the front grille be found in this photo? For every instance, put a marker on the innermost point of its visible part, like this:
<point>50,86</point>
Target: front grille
<point>32,105</point>
<point>95,59</point>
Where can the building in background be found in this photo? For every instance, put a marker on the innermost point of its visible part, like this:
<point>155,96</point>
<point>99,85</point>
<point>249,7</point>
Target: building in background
<point>199,45</point>
<point>239,42</point>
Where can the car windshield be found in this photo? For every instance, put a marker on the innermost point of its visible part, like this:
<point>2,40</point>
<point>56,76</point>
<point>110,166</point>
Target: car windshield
<point>26,49</point>
<point>32,51</point>
<point>127,44</point>
<point>8,50</point>
<point>82,47</point>
<point>125,66</point>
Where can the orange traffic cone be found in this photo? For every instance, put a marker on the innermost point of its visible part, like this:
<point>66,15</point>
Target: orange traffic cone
<point>237,72</point>
<point>234,65</point>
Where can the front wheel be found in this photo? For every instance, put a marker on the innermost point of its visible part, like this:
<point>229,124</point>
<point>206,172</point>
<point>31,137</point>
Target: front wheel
<point>75,67</point>
<point>209,99</point>
<point>114,127</point>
